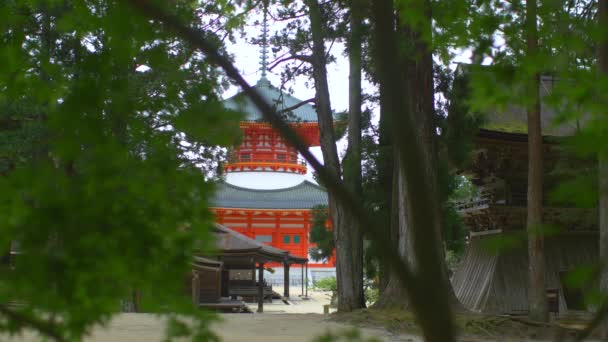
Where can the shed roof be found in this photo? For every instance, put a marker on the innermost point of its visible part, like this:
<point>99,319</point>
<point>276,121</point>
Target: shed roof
<point>206,261</point>
<point>199,263</point>
<point>242,103</point>
<point>305,195</point>
<point>230,242</point>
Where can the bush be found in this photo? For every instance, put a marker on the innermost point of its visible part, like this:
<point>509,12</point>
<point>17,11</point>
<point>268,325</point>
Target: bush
<point>326,284</point>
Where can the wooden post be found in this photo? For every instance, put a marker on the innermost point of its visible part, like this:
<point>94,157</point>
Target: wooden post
<point>196,292</point>
<point>306,279</point>
<point>286,280</point>
<point>135,301</point>
<point>260,287</point>
<point>302,280</point>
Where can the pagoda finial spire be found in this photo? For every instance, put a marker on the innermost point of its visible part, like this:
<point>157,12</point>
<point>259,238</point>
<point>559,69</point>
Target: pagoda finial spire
<point>264,57</point>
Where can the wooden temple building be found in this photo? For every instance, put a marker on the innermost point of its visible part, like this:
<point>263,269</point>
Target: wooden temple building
<point>266,194</point>
<point>235,270</point>
<point>495,281</point>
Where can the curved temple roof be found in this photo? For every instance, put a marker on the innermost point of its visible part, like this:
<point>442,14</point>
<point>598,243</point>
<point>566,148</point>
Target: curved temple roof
<point>305,195</point>
<point>301,112</point>
<point>230,242</point>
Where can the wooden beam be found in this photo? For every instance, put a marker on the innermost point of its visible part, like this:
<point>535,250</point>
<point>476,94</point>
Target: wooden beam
<point>286,279</point>
<point>486,232</point>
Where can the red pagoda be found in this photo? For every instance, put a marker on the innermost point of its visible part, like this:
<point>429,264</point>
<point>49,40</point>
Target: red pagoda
<point>266,194</point>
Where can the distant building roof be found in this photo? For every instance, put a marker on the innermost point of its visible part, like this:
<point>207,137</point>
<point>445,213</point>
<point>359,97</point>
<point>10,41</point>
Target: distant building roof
<point>230,242</point>
<point>282,101</point>
<point>305,195</point>
<point>512,118</point>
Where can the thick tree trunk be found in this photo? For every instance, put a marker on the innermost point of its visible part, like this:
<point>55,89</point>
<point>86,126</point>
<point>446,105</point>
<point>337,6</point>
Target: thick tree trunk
<point>394,296</point>
<point>428,295</point>
<point>602,68</point>
<point>352,159</point>
<point>537,299</point>
<point>385,179</point>
<point>349,253</point>
<point>418,73</point>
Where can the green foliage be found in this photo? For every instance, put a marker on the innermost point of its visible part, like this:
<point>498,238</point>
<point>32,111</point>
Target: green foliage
<point>453,188</point>
<point>456,141</point>
<point>500,244</point>
<point>372,293</point>
<point>320,235</point>
<point>580,191</point>
<point>452,259</point>
<point>327,284</point>
<point>110,127</point>
<point>454,230</point>
<point>99,191</point>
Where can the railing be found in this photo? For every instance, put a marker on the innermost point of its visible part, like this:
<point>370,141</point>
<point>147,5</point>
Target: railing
<point>489,198</point>
<point>234,159</point>
<point>475,203</point>
<point>289,165</point>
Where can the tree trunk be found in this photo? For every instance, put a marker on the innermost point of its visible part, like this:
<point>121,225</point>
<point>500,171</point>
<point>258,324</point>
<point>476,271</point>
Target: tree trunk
<point>394,296</point>
<point>352,158</point>
<point>386,182</point>
<point>349,253</point>
<point>537,299</point>
<point>428,294</point>
<point>602,69</point>
<point>418,74</point>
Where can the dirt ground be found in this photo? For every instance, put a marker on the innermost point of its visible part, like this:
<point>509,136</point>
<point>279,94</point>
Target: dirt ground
<point>301,321</point>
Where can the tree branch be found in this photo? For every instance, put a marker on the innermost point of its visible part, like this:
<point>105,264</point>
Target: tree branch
<point>297,105</point>
<point>39,325</point>
<point>599,317</point>
<point>303,58</point>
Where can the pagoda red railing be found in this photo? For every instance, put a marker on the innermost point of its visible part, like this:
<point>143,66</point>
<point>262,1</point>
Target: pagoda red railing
<point>299,166</point>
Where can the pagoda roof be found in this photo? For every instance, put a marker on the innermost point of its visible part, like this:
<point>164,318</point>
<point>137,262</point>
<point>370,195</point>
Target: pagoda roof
<point>300,112</point>
<point>513,118</point>
<point>305,195</point>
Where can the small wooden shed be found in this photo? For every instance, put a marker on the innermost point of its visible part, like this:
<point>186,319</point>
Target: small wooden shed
<point>243,256</point>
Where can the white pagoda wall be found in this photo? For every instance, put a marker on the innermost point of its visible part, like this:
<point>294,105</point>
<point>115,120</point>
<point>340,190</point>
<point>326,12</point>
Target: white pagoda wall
<point>264,180</point>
